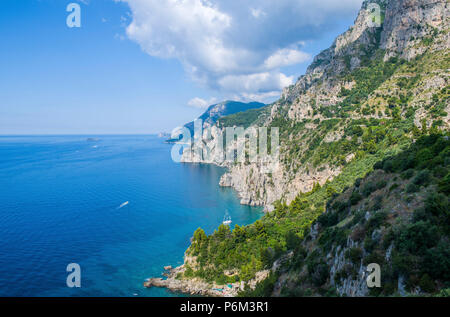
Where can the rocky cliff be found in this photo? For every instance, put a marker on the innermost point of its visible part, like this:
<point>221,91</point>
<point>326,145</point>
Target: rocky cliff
<point>396,217</point>
<point>335,87</point>
<point>377,99</point>
<point>217,111</point>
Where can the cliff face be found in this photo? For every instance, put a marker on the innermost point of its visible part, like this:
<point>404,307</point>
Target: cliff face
<point>409,21</point>
<point>226,108</point>
<point>410,29</point>
<point>374,93</point>
<point>215,112</point>
<point>396,217</point>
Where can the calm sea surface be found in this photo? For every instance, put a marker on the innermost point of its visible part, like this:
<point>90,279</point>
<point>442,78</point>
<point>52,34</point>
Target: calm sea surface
<point>60,201</point>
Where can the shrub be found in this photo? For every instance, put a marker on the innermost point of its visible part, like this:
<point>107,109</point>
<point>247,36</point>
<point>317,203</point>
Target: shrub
<point>369,244</point>
<point>381,184</point>
<point>408,174</point>
<point>427,284</point>
<point>403,263</point>
<point>374,257</point>
<point>339,206</point>
<point>320,274</point>
<point>437,262</point>
<point>439,171</point>
<point>422,178</point>
<point>412,188</point>
<point>328,219</point>
<point>423,156</point>
<point>342,274</point>
<point>417,237</point>
<point>378,202</point>
<point>393,186</point>
<point>388,166</point>
<point>358,233</point>
<point>262,289</point>
<point>378,165</point>
<point>420,215</point>
<point>437,204</point>
<point>349,270</point>
<point>267,256</point>
<point>376,221</point>
<point>444,184</point>
<point>444,293</point>
<point>359,217</point>
<point>292,240</point>
<point>332,236</point>
<point>368,189</point>
<point>355,198</point>
<point>188,272</point>
<point>299,256</point>
<point>354,255</point>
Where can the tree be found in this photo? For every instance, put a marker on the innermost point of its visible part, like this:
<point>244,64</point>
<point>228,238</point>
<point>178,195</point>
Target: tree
<point>424,126</point>
<point>444,184</point>
<point>223,232</point>
<point>239,234</point>
<point>292,240</point>
<point>199,240</point>
<point>415,132</point>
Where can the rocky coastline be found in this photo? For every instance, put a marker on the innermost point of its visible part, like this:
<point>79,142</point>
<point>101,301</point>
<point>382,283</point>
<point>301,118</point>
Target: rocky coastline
<point>257,187</point>
<point>173,281</point>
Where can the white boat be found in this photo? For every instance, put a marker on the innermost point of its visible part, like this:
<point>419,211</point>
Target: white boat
<point>123,205</point>
<point>227,220</point>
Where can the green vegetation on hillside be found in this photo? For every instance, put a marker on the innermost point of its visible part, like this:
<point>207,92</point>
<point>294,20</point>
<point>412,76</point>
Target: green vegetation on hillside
<point>247,250</point>
<point>407,234</point>
<point>243,119</point>
<point>420,245</point>
<point>367,120</point>
<point>385,135</point>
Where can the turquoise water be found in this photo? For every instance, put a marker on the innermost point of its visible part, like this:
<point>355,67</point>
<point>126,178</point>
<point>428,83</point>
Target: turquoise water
<point>59,204</point>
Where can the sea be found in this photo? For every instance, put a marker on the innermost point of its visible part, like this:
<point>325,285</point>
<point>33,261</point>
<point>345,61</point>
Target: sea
<point>118,206</point>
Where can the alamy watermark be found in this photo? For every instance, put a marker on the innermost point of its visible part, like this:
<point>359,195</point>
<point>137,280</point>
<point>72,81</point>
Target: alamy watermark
<point>228,145</point>
<point>74,18</point>
<point>374,278</point>
<point>74,278</point>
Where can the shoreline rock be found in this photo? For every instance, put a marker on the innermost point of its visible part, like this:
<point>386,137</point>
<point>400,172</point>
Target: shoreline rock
<point>194,286</point>
<point>199,287</point>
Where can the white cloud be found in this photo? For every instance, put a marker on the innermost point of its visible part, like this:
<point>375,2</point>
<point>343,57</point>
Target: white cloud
<point>257,13</point>
<point>201,103</point>
<point>260,82</point>
<point>286,57</point>
<point>236,47</point>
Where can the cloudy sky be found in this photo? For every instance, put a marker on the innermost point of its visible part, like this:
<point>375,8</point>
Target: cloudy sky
<point>142,66</point>
<point>235,47</point>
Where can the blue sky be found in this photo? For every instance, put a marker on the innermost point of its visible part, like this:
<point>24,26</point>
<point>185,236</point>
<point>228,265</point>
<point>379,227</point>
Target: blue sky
<point>144,66</point>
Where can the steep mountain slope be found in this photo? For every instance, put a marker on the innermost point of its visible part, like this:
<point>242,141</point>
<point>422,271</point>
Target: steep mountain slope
<point>214,112</point>
<point>226,108</point>
<point>367,98</point>
<point>394,77</point>
<point>398,216</point>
